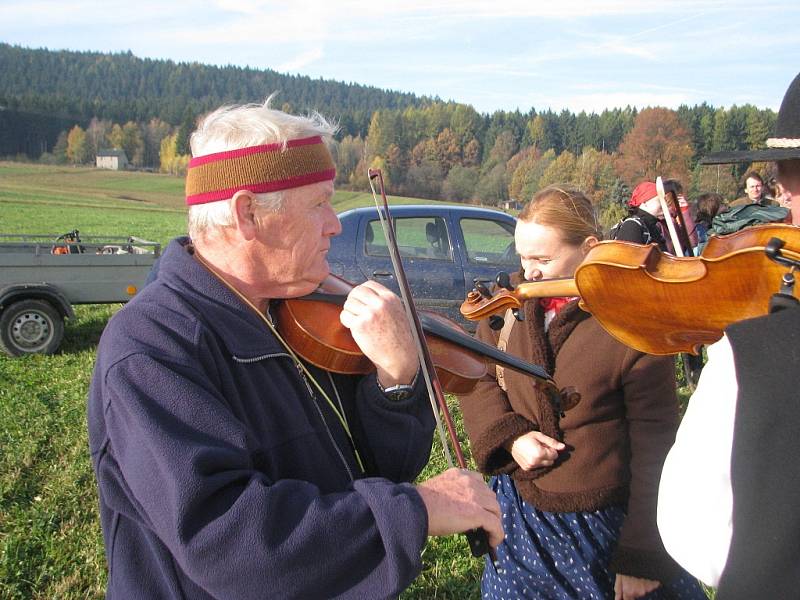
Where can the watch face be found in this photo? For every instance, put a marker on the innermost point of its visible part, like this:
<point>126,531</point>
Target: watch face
<point>398,395</point>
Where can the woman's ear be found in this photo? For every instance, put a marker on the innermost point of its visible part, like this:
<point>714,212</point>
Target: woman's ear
<point>243,209</point>
<point>589,243</point>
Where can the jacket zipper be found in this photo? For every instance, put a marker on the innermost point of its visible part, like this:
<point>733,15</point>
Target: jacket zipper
<point>311,394</point>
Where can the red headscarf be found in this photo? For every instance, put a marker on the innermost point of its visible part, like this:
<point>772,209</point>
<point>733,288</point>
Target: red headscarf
<point>642,193</point>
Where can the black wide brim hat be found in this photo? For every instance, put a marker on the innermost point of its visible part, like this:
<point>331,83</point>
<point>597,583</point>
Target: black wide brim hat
<point>784,146</point>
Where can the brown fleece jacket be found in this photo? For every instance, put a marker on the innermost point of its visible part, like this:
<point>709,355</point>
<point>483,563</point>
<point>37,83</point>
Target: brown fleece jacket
<point>617,436</point>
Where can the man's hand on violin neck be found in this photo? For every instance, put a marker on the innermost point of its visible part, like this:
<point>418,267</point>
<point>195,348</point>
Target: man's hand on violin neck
<point>377,320</point>
<point>458,501</point>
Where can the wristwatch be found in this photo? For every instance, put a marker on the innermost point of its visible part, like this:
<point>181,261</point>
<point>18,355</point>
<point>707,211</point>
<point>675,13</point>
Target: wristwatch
<point>397,393</point>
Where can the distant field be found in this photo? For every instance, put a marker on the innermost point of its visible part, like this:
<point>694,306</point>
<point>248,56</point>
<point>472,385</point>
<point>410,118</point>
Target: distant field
<point>55,199</point>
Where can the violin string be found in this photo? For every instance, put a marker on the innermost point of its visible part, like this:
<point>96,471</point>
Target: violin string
<point>407,305</point>
<point>299,363</point>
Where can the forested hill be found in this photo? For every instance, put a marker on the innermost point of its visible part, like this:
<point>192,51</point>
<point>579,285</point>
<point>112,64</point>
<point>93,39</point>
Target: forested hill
<point>122,87</point>
<point>65,107</point>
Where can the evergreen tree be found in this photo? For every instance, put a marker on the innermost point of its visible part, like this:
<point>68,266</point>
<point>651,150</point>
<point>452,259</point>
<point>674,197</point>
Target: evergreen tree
<point>184,132</point>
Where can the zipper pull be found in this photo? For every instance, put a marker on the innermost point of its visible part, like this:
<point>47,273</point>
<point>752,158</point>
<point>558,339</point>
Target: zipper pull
<point>302,373</point>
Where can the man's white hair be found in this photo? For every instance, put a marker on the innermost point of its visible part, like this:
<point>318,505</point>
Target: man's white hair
<point>240,126</point>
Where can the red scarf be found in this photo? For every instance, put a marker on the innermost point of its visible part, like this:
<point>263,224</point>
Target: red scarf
<point>555,304</point>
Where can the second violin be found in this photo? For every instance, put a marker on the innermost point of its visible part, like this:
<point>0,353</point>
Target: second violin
<point>687,302</point>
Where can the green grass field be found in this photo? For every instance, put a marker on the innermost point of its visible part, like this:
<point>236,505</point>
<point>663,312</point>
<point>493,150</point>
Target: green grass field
<point>50,539</point>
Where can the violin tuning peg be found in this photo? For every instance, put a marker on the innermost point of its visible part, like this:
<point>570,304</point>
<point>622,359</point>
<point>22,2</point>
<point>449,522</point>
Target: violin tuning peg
<point>496,322</point>
<point>503,279</point>
<point>481,288</point>
<point>518,314</point>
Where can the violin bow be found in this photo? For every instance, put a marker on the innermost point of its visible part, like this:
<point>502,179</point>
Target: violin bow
<point>683,231</point>
<point>673,234</point>
<point>477,538</point>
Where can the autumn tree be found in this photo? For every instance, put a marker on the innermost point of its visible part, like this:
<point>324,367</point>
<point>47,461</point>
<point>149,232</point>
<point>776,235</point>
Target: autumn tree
<point>379,163</point>
<point>472,153</point>
<point>525,178</point>
<point>77,147</point>
<point>171,161</point>
<point>97,134</point>
<point>346,155</point>
<point>132,143</point>
<point>560,171</point>
<point>505,146</point>
<point>425,151</point>
<point>153,132</point>
<point>658,145</point>
<point>414,126</point>
<point>60,148</point>
<point>384,129</point>
<point>396,165</point>
<point>448,149</point>
<point>465,123</point>
<point>536,133</point>
<point>594,174</point>
<point>128,138</point>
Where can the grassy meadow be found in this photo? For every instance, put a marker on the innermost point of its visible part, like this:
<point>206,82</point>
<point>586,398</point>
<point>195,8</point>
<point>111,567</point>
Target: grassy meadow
<point>50,539</point>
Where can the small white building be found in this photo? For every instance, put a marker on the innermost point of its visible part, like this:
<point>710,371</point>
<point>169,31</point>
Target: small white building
<point>112,159</point>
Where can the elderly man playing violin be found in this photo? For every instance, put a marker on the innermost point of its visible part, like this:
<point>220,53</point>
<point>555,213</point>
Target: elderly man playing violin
<point>227,466</point>
<point>728,498</point>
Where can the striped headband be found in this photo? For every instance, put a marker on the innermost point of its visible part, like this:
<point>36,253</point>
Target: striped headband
<point>259,169</point>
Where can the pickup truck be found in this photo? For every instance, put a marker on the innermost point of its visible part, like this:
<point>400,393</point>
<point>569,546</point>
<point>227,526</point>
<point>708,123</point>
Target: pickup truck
<point>42,276</point>
<point>443,248</point>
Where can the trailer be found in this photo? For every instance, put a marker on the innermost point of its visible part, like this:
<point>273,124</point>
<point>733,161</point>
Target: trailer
<point>43,275</point>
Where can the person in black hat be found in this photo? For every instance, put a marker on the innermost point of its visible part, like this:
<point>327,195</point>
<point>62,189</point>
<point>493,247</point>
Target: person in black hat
<point>727,507</point>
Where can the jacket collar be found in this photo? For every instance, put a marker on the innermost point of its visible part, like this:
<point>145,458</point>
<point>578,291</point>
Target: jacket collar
<point>242,331</point>
<point>646,217</point>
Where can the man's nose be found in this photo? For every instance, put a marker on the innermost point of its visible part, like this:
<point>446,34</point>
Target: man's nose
<point>333,226</point>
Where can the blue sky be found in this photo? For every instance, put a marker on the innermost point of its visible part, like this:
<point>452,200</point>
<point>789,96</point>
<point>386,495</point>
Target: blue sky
<point>492,54</point>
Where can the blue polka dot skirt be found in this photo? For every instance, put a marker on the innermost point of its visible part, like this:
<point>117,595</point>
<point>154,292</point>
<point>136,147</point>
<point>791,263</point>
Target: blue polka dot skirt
<point>557,556</point>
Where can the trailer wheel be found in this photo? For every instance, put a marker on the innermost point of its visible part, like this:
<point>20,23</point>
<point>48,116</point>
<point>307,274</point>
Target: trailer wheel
<point>30,326</point>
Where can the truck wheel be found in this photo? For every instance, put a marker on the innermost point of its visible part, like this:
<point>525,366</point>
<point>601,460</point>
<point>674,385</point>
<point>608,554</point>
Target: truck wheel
<point>30,326</point>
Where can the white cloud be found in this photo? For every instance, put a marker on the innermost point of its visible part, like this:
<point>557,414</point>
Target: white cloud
<point>300,61</point>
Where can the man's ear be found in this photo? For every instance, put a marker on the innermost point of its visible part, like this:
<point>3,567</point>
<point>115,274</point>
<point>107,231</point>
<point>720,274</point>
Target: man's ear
<point>243,208</point>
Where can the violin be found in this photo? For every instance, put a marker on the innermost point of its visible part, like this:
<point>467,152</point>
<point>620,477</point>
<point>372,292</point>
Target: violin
<point>658,303</point>
<point>310,325</point>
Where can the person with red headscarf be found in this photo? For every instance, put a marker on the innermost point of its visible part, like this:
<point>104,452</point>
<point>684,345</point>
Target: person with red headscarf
<point>641,224</point>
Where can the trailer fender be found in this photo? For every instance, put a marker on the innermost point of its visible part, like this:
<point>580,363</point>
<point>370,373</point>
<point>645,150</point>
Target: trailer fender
<point>36,291</point>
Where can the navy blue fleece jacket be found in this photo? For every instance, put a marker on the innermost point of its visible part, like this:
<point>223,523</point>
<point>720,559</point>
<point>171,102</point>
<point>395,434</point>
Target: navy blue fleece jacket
<point>221,476</point>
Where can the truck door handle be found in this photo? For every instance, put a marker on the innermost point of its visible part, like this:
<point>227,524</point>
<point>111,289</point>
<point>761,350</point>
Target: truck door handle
<point>381,274</point>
